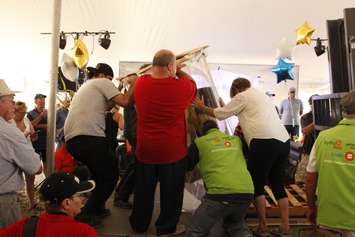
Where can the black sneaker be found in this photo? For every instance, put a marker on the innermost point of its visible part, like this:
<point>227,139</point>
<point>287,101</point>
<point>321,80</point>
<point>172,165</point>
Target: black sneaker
<point>122,204</point>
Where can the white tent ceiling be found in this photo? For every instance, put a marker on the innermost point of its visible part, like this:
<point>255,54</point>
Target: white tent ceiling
<point>238,31</point>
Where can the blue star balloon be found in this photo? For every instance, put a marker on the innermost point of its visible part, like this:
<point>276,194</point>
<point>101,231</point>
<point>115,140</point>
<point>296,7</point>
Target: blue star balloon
<point>283,70</point>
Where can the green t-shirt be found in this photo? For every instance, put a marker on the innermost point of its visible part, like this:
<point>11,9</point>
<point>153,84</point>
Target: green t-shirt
<point>222,164</point>
<point>335,164</point>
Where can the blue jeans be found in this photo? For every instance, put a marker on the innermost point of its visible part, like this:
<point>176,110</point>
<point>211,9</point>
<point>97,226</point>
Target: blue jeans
<point>211,211</point>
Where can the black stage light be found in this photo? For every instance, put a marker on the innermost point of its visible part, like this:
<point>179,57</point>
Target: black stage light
<point>62,40</point>
<point>319,48</point>
<point>104,40</point>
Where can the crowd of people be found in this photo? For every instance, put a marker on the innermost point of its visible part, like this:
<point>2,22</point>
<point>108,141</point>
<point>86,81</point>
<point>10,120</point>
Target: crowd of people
<point>154,125</point>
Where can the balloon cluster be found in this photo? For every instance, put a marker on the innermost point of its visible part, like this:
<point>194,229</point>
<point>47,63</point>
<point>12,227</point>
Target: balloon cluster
<point>283,68</point>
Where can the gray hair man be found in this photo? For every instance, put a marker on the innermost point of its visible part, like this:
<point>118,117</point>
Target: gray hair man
<point>16,156</point>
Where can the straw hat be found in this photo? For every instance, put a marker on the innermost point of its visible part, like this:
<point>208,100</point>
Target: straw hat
<point>4,89</point>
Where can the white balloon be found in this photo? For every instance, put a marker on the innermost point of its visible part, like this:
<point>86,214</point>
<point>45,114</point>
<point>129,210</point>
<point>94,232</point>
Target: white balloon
<point>285,49</point>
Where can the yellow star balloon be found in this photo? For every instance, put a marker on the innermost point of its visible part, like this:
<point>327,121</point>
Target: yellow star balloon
<point>304,34</point>
<point>81,54</point>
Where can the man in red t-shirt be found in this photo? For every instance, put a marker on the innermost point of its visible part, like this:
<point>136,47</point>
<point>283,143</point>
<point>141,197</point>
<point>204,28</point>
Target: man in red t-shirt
<point>62,193</point>
<point>161,99</point>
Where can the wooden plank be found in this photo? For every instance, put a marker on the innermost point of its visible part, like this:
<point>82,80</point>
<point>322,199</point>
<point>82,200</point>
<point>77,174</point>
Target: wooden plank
<point>192,51</point>
<point>299,191</point>
<point>294,202</point>
<point>180,58</point>
<point>271,195</point>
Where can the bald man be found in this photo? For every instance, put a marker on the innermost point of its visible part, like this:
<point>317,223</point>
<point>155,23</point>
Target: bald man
<point>161,99</point>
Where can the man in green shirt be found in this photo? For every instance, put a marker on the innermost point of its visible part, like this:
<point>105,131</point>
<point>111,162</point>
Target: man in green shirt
<point>331,174</point>
<point>229,187</point>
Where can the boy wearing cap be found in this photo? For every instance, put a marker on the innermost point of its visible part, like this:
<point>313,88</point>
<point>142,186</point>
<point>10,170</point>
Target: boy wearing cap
<point>63,194</point>
<point>16,156</point>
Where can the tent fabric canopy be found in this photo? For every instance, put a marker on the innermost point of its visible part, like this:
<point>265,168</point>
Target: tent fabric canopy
<point>241,32</point>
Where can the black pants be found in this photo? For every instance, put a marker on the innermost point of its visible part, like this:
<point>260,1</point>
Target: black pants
<point>267,160</point>
<point>126,185</point>
<point>96,154</point>
<point>171,178</point>
<point>292,130</point>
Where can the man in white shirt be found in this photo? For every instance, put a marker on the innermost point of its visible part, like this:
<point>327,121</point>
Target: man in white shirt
<point>290,111</point>
<point>16,156</point>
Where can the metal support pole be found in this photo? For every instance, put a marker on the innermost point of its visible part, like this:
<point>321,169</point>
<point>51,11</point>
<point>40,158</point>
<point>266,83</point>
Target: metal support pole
<point>57,6</point>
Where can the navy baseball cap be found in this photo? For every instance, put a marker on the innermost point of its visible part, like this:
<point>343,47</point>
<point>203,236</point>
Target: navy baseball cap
<point>59,186</point>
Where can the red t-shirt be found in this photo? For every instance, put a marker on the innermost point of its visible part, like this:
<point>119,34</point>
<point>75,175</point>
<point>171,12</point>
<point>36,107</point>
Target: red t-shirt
<point>64,161</point>
<point>51,225</point>
<point>161,128</point>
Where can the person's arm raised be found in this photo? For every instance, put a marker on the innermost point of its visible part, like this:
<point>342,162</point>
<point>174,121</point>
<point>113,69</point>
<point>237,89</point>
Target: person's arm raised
<point>126,98</point>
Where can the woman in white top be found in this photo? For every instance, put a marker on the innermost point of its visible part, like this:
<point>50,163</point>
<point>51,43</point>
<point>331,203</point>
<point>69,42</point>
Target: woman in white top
<point>24,124</point>
<point>268,143</point>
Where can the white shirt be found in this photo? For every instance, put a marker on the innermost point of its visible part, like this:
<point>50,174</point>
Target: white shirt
<point>28,128</point>
<point>87,110</point>
<point>16,155</point>
<point>257,116</point>
<point>290,111</point>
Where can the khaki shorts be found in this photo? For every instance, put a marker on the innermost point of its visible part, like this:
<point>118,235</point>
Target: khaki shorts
<point>10,211</point>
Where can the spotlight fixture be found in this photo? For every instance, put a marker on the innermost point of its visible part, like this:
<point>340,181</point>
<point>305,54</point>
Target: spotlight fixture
<point>62,40</point>
<point>104,37</point>
<point>104,40</point>
<point>319,48</point>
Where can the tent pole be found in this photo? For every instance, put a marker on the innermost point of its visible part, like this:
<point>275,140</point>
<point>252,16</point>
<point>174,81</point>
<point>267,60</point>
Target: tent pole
<point>57,6</point>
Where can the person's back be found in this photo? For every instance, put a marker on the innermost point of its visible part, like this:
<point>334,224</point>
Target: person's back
<point>160,105</point>
<point>222,164</point>
<point>87,111</point>
<point>58,225</point>
<point>260,116</point>
<point>336,169</point>
<point>229,185</point>
<point>331,174</point>
<point>161,99</point>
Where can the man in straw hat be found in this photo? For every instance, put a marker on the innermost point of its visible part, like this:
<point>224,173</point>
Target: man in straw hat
<point>64,195</point>
<point>331,174</point>
<point>84,132</point>
<point>16,156</point>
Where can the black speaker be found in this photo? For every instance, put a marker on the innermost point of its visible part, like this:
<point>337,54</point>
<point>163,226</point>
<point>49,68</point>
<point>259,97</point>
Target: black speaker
<point>339,80</point>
